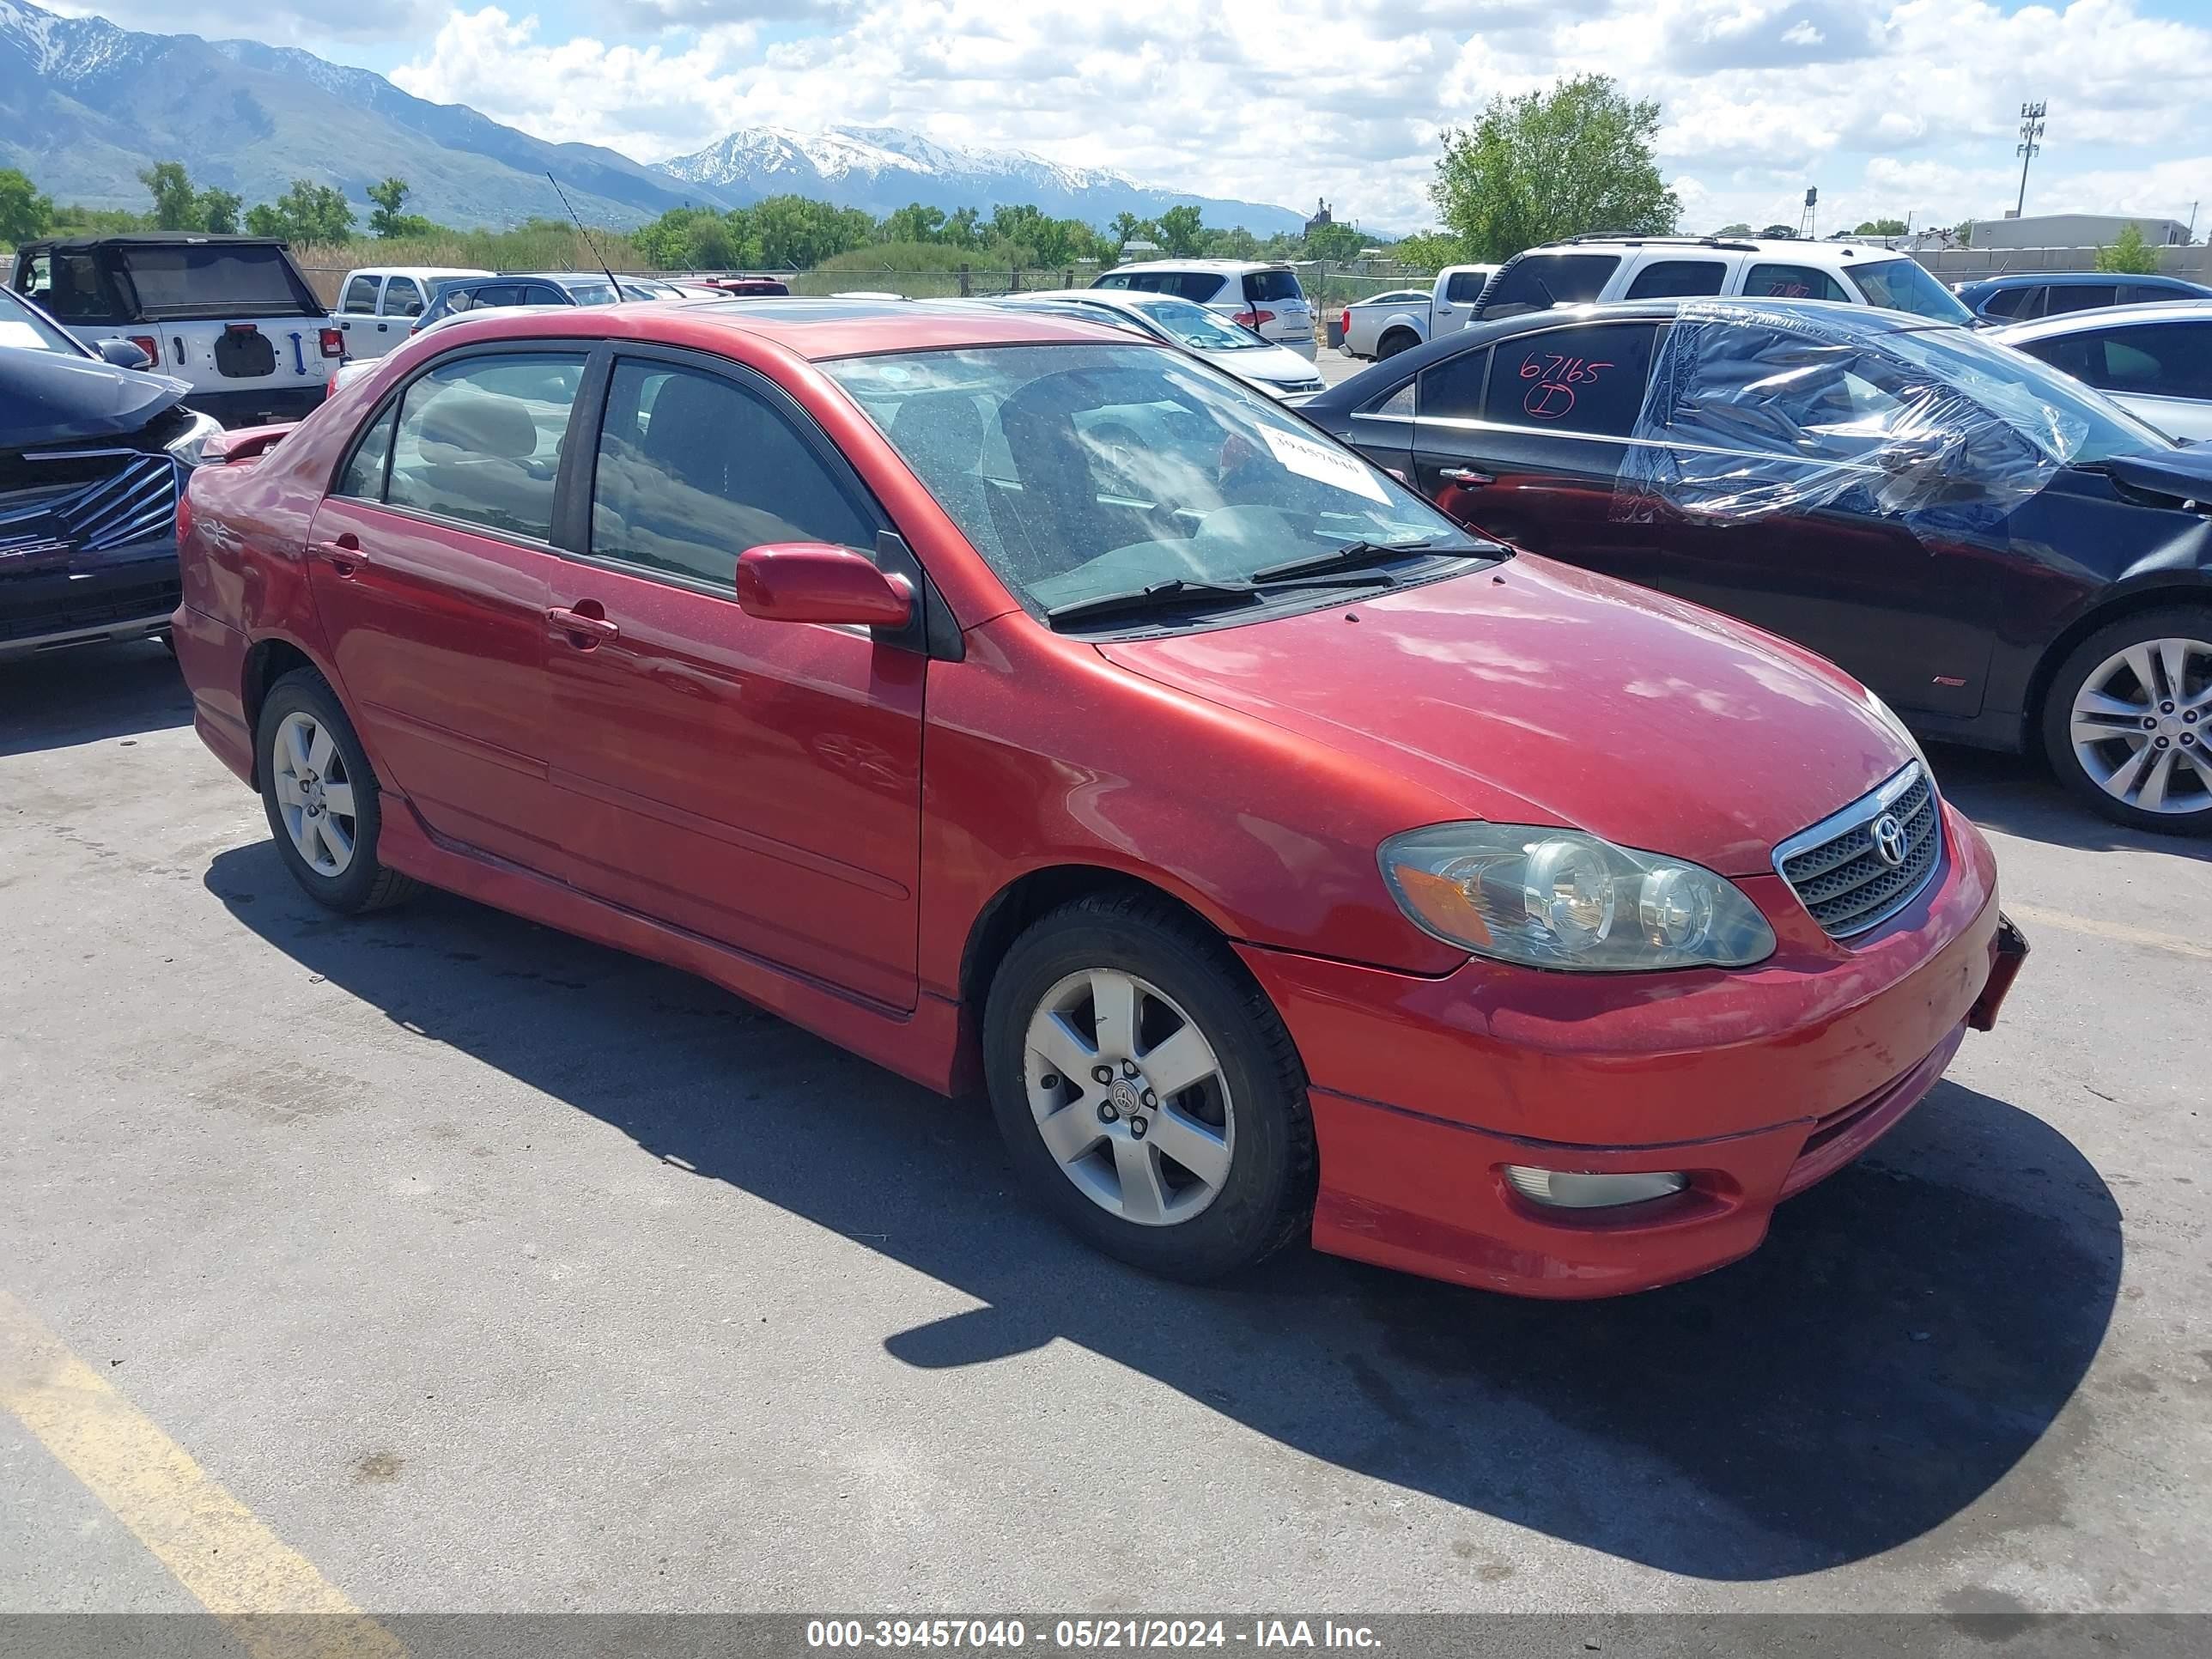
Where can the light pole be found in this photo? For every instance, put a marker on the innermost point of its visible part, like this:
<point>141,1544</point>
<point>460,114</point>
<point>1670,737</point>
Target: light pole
<point>2031,129</point>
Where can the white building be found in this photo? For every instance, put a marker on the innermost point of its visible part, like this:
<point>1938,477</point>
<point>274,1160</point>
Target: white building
<point>2076,230</point>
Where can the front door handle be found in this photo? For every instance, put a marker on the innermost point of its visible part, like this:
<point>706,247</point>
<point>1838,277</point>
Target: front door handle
<point>1465,475</point>
<point>344,555</point>
<point>584,630</point>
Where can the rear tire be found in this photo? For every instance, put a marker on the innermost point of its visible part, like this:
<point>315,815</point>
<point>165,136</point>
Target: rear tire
<point>1397,340</point>
<point>1200,1068</point>
<point>2127,723</point>
<point>321,796</point>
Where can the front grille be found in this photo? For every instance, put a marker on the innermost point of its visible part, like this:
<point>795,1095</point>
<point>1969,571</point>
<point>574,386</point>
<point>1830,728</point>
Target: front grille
<point>1838,869</point>
<point>90,501</point>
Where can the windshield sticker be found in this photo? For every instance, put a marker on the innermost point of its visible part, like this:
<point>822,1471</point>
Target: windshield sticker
<point>1324,464</point>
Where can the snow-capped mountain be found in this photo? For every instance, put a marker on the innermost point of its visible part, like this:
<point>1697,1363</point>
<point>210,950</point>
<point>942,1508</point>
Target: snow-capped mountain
<point>884,168</point>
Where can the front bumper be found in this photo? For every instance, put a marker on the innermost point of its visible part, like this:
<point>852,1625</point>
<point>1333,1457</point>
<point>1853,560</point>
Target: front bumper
<point>113,599</point>
<point>1756,1083</point>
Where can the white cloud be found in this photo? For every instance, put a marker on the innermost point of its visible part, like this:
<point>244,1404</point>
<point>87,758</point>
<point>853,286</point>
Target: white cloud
<point>1906,108</point>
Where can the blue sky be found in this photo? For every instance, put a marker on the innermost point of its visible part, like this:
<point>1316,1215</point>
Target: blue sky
<point>1905,108</point>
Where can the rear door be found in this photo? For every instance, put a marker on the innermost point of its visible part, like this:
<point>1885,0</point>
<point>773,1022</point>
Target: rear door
<point>1524,440</point>
<point>432,566</point>
<point>755,782</point>
<point>358,323</point>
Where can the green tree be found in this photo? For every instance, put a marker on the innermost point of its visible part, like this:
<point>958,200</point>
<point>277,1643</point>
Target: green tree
<point>912,223</point>
<point>1180,228</point>
<point>2128,253</point>
<point>386,219</point>
<point>1739,229</point>
<point>1430,249</point>
<point>176,203</point>
<point>964,228</point>
<point>218,210</point>
<point>1964,230</point>
<point>1576,159</point>
<point>307,212</point>
<point>791,233</point>
<point>24,212</point>
<point>1129,228</point>
<point>1880,227</point>
<point>1337,242</point>
<point>1234,243</point>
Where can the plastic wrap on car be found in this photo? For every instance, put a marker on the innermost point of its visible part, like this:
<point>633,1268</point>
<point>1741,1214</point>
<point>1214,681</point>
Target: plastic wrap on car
<point>1752,411</point>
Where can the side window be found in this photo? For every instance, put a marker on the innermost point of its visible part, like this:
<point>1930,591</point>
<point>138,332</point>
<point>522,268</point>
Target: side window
<point>1587,379</point>
<point>363,477</point>
<point>76,292</point>
<point>2079,296</point>
<point>402,298</point>
<point>479,439</point>
<point>1452,389</point>
<point>2163,359</point>
<point>38,280</point>
<point>2007,301</point>
<point>1537,282</point>
<point>544,294</point>
<point>1793,283</point>
<point>693,469</point>
<point>1400,404</point>
<point>1199,287</point>
<point>1674,279</point>
<point>360,296</point>
<point>2143,294</point>
<point>1464,288</point>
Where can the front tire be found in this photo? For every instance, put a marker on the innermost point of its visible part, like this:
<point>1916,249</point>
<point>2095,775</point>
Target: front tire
<point>321,796</point>
<point>2128,720</point>
<point>1147,1089</point>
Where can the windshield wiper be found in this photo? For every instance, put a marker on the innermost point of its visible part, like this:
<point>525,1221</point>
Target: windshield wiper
<point>1168,595</point>
<point>1356,556</point>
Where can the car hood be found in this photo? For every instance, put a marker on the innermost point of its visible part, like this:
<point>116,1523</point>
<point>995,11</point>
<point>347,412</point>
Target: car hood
<point>1534,692</point>
<point>2184,471</point>
<point>50,398</point>
<point>1275,364</point>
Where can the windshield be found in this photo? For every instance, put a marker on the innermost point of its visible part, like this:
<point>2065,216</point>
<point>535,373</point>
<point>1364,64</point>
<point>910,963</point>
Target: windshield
<point>1083,470</point>
<point>23,328</point>
<point>2026,394</point>
<point>1195,327</point>
<point>1903,285</point>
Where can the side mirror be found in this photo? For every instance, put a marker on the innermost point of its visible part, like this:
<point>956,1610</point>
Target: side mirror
<point>814,582</point>
<point>123,355</point>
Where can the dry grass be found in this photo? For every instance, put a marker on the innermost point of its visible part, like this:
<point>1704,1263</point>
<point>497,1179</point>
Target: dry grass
<point>548,249</point>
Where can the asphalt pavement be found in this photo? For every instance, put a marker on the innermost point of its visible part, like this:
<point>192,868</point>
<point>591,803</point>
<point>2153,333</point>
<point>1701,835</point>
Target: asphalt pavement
<point>485,1269</point>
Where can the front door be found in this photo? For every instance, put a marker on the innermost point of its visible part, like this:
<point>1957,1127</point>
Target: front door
<point>755,782</point>
<point>431,566</point>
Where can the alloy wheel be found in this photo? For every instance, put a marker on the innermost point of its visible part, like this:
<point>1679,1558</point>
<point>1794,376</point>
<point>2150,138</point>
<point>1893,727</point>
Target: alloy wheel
<point>1129,1097</point>
<point>2141,723</point>
<point>314,793</point>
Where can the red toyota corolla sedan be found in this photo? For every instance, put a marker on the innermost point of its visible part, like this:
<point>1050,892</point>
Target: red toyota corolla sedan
<point>1016,702</point>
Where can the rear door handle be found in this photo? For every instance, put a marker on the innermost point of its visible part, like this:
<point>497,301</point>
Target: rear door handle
<point>1465,475</point>
<point>585,631</point>
<point>344,555</point>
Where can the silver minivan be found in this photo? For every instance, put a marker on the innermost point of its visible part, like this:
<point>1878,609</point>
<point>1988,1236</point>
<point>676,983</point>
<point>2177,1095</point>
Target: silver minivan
<point>1265,298</point>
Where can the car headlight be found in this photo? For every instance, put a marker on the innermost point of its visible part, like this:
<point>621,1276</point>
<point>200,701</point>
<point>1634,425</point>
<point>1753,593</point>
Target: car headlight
<point>190,447</point>
<point>1562,899</point>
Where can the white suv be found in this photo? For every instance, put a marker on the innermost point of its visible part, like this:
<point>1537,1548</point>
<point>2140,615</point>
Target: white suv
<point>1591,269</point>
<point>1266,298</point>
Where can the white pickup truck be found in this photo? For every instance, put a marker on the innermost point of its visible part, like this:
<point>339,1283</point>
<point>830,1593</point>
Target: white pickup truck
<point>1389,323</point>
<point>231,316</point>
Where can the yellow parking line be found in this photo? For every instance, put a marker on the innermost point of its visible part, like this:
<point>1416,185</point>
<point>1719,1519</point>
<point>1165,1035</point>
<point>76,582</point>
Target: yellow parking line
<point>213,1545</point>
<point>2112,930</point>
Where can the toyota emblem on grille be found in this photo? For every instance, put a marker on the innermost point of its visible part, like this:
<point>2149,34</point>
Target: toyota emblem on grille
<point>1888,840</point>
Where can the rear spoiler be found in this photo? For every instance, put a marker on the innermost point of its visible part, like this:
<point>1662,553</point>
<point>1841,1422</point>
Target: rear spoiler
<point>247,443</point>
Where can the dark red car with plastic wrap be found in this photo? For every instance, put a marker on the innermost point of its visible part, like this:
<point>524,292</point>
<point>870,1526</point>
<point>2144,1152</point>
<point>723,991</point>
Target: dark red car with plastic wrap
<point>1025,705</point>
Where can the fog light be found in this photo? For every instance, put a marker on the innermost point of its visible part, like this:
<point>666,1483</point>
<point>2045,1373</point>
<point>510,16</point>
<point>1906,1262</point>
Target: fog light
<point>1567,1189</point>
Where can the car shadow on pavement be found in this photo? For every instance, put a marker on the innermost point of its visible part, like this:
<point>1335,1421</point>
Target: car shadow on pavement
<point>1905,1338</point>
<point>2017,795</point>
<point>93,692</point>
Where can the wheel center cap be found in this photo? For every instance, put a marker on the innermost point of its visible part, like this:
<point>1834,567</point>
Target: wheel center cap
<point>1126,1096</point>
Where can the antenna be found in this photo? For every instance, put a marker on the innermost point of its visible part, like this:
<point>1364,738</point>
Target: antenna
<point>586,235</point>
<point>2031,131</point>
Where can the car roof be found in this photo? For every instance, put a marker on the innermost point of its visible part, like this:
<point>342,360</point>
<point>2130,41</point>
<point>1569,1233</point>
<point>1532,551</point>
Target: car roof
<point>418,270</point>
<point>148,238</point>
<point>1769,248</point>
<point>1228,266</point>
<point>2194,310</point>
<point>812,329</point>
<point>1864,319</point>
<point>2083,279</point>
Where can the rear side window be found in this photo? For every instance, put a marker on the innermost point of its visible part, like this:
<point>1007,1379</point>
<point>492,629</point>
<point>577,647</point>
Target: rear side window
<point>2160,359</point>
<point>1587,379</point>
<point>360,297</point>
<point>1537,282</point>
<point>1676,279</point>
<point>1793,283</point>
<point>1118,279</point>
<point>2008,302</point>
<point>479,440</point>
<point>72,287</point>
<point>1271,285</point>
<point>1452,388</point>
<point>402,298</point>
<point>2080,296</point>
<point>2143,294</point>
<point>215,279</point>
<point>1197,286</point>
<point>544,294</point>
<point>693,469</point>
